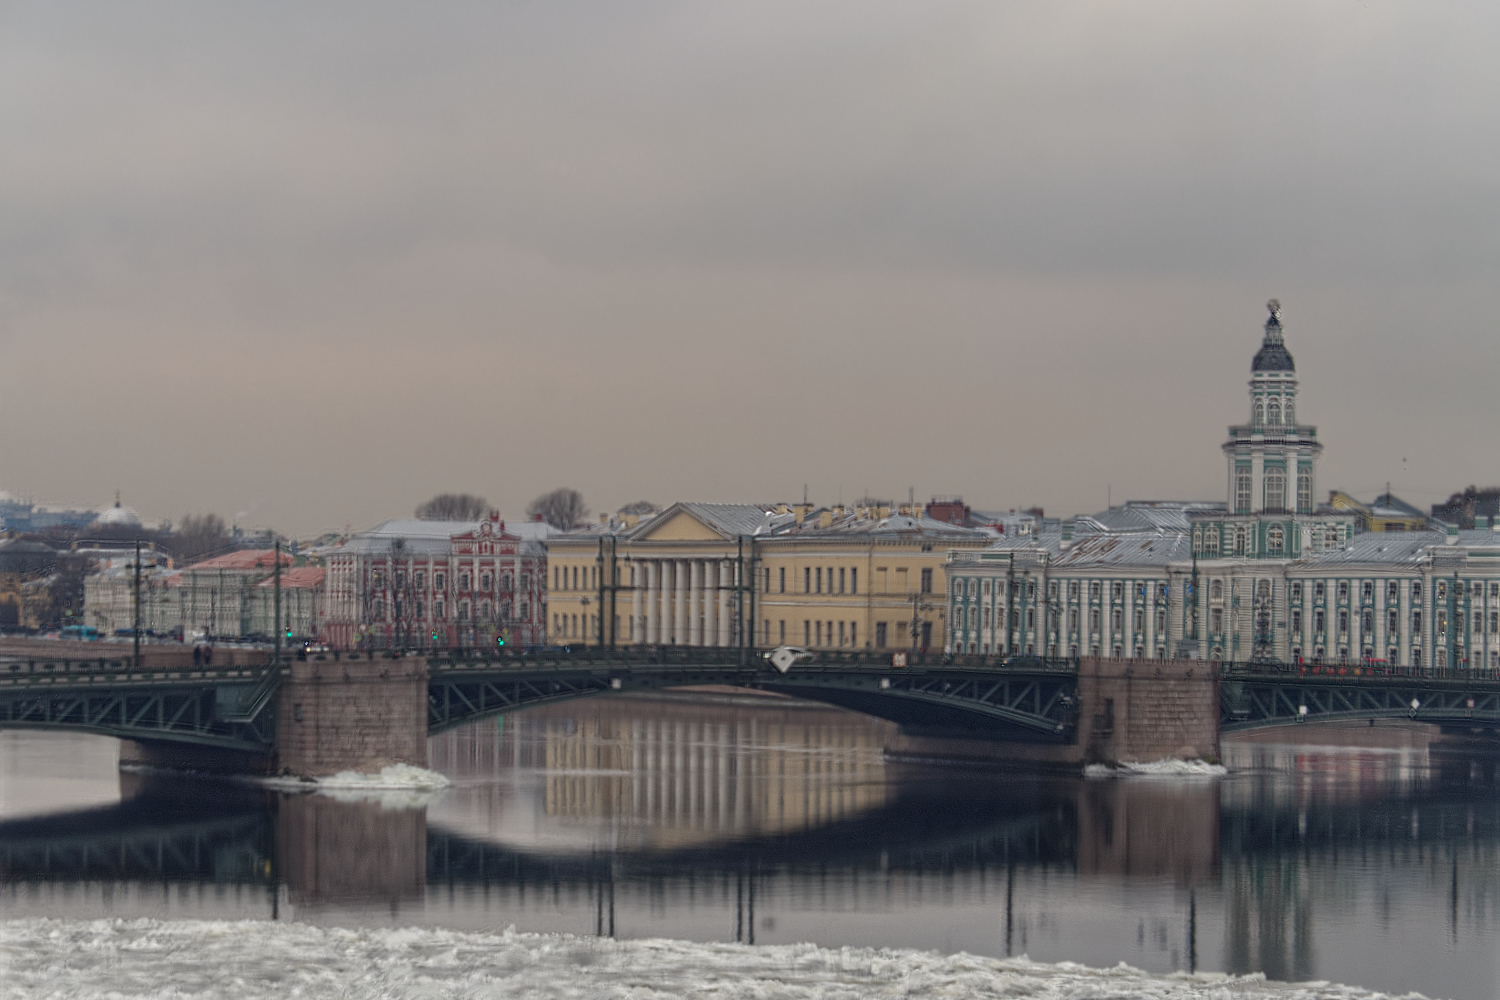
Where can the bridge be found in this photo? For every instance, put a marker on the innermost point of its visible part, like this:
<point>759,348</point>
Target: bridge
<point>360,711</point>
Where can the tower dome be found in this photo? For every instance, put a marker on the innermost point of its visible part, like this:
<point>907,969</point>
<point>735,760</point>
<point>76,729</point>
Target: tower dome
<point>118,515</point>
<point>1273,355</point>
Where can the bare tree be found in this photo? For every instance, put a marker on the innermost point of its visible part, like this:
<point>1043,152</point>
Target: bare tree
<point>199,536</point>
<point>640,508</point>
<point>453,507</point>
<point>562,508</point>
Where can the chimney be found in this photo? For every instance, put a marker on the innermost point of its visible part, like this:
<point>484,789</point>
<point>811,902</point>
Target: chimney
<point>885,511</point>
<point>801,513</point>
<point>825,519</point>
<point>630,520</point>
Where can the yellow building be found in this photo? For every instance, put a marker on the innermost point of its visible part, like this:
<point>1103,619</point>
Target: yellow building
<point>1388,513</point>
<point>699,574</point>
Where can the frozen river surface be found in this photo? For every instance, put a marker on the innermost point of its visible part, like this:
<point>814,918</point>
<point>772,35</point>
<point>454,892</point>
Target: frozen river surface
<point>122,959</point>
<point>616,826</point>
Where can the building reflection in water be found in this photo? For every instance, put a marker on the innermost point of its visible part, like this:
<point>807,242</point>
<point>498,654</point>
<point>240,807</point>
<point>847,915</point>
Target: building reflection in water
<point>606,774</point>
<point>352,853</point>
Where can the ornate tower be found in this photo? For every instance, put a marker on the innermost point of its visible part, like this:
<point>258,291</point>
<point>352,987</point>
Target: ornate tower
<point>1272,459</point>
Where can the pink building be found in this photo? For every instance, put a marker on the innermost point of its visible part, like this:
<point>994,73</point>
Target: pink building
<point>420,584</point>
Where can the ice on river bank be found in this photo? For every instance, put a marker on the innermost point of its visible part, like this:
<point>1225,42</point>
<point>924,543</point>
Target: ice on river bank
<point>1168,768</point>
<point>251,960</point>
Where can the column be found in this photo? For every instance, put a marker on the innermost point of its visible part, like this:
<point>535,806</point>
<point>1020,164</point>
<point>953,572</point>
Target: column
<point>726,602</point>
<point>695,604</point>
<point>653,624</point>
<point>711,603</point>
<point>636,637</point>
<point>679,606</point>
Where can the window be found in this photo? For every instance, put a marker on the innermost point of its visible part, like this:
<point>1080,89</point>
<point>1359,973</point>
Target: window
<point>1296,619</point>
<point>819,633</point>
<point>484,582</point>
<point>377,610</point>
<point>1138,621</point>
<point>818,580</point>
<point>984,588</point>
<point>1211,540</point>
<point>781,632</point>
<point>1216,590</point>
<point>1161,621</point>
<point>767,588</point>
<point>1216,620</point>
<point>1296,591</point>
<point>1275,489</point>
<point>1416,622</point>
<point>419,608</point>
<point>1073,590</point>
<point>806,633</point>
<point>1304,484</point>
<point>1275,540</point>
<point>1479,621</point>
<point>1494,621</point>
<point>1442,624</point>
<point>419,579</point>
<point>1073,620</point>
<point>1416,657</point>
<point>1031,590</point>
<point>1367,591</point>
<point>1240,536</point>
<point>1343,622</point>
<point>1116,620</point>
<point>853,636</point>
<point>575,577</point>
<point>927,581</point>
<point>1031,617</point>
<point>1392,592</point>
<point>1416,591</point>
<point>1343,591</point>
<point>484,611</point>
<point>880,635</point>
<point>1117,590</point>
<point>1094,620</point>
<point>523,609</point>
<point>463,611</point>
<point>806,580</point>
<point>1442,590</point>
<point>781,579</point>
<point>437,610</point>
<point>841,633</point>
<point>1242,491</point>
<point>1392,622</point>
<point>1318,591</point>
<point>1273,413</point>
<point>525,581</point>
<point>1319,621</point>
<point>1094,590</point>
<point>1260,412</point>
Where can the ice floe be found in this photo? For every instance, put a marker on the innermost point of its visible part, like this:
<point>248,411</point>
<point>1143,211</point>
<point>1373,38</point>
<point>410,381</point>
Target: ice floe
<point>1166,768</point>
<point>396,777</point>
<point>251,960</point>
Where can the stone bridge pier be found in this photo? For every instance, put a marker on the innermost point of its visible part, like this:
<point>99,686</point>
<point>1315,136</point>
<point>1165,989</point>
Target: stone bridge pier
<point>1128,710</point>
<point>351,715</point>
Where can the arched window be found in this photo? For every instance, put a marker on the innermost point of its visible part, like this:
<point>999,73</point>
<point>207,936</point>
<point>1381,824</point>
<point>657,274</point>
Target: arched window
<point>1275,540</point>
<point>1116,620</point>
<point>1216,590</point>
<point>484,581</point>
<point>1242,491</point>
<point>1287,413</point>
<point>484,611</point>
<point>1211,540</point>
<point>1239,541</point>
<point>463,611</point>
<point>1260,412</point>
<point>1273,414</point>
<point>1304,493</point>
<point>1275,490</point>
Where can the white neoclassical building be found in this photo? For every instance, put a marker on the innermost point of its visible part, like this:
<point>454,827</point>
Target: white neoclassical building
<point>1267,573</point>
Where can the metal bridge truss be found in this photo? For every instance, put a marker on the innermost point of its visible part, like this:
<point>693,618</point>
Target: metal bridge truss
<point>1272,700</point>
<point>1036,697</point>
<point>229,707</point>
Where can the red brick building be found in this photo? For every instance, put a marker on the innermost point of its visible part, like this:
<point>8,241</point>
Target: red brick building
<point>421,584</point>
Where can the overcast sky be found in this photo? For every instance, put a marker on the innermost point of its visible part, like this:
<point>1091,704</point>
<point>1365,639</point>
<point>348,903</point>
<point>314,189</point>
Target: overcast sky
<point>308,264</point>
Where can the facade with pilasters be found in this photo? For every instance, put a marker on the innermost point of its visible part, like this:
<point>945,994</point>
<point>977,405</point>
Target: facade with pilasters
<point>1265,574</point>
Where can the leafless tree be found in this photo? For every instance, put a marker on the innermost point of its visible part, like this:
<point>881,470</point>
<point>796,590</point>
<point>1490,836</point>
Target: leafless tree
<point>199,536</point>
<point>562,508</point>
<point>640,508</point>
<point>453,507</point>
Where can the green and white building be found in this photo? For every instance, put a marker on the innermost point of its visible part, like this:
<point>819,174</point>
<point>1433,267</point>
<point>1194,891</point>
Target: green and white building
<point>1265,574</point>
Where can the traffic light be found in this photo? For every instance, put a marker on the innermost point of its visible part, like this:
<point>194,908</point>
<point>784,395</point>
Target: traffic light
<point>289,632</point>
<point>500,639</point>
<point>434,637</point>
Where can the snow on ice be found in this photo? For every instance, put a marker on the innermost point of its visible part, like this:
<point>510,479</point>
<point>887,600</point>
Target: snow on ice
<point>396,777</point>
<point>224,960</point>
<point>1168,768</point>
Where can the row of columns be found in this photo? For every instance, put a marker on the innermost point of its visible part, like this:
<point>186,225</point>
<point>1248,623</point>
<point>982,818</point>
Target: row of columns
<point>684,602</point>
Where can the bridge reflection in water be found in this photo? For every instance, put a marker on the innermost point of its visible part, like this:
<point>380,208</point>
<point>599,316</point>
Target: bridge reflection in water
<point>721,822</point>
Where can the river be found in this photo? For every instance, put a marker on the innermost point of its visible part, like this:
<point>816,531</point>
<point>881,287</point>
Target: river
<point>738,819</point>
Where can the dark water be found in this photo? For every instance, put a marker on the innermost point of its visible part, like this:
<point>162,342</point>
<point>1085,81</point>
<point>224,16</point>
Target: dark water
<point>725,821</point>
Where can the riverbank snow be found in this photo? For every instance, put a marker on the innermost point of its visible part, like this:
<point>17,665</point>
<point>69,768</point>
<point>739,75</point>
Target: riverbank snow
<point>251,960</point>
<point>1168,768</point>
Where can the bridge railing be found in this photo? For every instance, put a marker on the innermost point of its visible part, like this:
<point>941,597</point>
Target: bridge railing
<point>462,660</point>
<point>1352,670</point>
<point>79,673</point>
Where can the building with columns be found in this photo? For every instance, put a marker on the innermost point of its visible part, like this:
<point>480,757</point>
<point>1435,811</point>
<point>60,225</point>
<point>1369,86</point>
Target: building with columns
<point>1263,574</point>
<point>702,574</point>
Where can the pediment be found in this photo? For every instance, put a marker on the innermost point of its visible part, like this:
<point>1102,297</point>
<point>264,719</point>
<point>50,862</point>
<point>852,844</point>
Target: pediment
<point>680,526</point>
